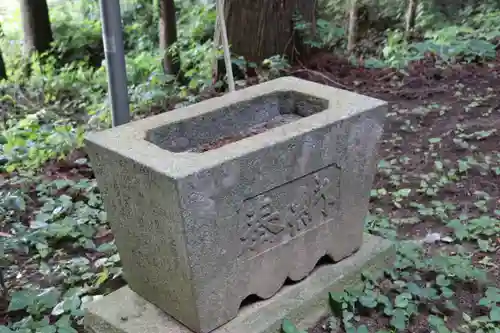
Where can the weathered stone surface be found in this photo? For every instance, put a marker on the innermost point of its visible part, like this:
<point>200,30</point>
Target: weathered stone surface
<point>199,232</point>
<point>304,303</point>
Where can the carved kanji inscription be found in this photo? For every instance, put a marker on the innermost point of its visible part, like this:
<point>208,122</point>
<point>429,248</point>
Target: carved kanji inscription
<point>262,223</point>
<point>299,213</point>
<point>322,196</point>
<point>284,212</point>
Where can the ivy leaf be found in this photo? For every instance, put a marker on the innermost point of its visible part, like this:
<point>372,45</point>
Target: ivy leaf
<point>66,330</point>
<point>333,324</point>
<point>495,314</point>
<point>72,303</point>
<point>442,281</point>
<point>21,300</point>
<point>43,249</point>
<point>287,327</point>
<point>58,309</point>
<point>447,292</point>
<point>363,329</point>
<point>5,329</point>
<point>414,289</point>
<point>383,299</point>
<point>484,301</point>
<point>493,294</point>
<point>48,298</point>
<point>401,301</point>
<point>438,324</point>
<point>335,300</point>
<point>64,325</point>
<point>466,317</point>
<point>47,329</point>
<point>398,320</point>
<point>435,321</point>
<point>389,310</point>
<point>64,321</point>
<point>368,301</point>
<point>350,329</point>
<point>405,192</point>
<point>38,225</point>
<point>102,277</point>
<point>484,245</point>
<point>347,316</point>
<point>450,305</point>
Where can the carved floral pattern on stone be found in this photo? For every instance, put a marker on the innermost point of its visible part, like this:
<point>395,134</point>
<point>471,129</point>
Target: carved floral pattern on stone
<point>266,221</point>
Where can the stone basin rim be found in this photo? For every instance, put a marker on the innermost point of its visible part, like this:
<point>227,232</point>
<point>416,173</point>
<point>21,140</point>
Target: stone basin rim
<point>129,140</point>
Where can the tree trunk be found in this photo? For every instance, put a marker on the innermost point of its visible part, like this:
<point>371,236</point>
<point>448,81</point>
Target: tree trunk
<point>3,71</point>
<point>168,36</point>
<point>259,29</point>
<point>411,14</point>
<point>36,26</point>
<point>353,25</point>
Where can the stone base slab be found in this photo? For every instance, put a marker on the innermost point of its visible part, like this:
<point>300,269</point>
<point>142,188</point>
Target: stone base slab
<point>304,303</point>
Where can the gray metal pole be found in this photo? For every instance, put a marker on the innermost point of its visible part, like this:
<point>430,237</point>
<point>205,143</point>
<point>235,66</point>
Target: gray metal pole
<point>112,36</point>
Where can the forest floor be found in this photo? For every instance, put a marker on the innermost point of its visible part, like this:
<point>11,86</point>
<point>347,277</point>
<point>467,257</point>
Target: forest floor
<point>438,183</point>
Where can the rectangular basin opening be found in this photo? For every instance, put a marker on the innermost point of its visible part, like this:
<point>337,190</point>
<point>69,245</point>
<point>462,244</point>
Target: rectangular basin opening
<point>235,122</point>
